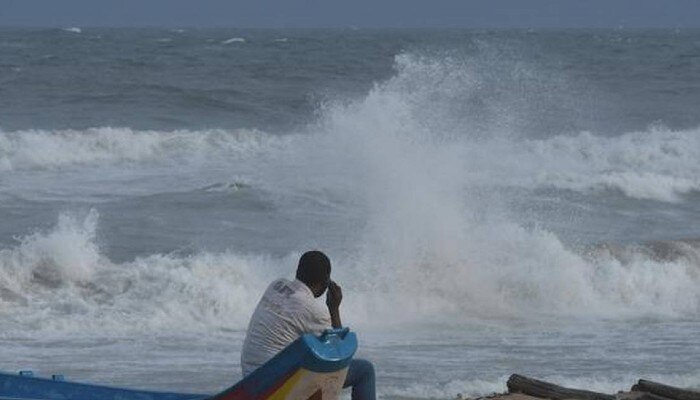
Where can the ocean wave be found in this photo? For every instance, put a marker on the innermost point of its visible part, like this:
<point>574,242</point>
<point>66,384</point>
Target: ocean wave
<point>41,149</point>
<point>460,105</point>
<point>658,164</point>
<point>234,40</point>
<point>505,271</point>
<point>447,390</point>
<point>225,187</point>
<point>438,112</point>
<point>433,244</point>
<point>59,280</point>
<point>603,383</point>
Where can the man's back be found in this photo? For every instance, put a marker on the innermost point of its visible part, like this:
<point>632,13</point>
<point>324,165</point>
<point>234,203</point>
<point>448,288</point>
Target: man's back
<point>287,310</point>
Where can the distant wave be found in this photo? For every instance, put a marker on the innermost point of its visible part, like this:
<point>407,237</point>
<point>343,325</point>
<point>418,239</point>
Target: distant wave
<point>40,149</point>
<point>234,40</point>
<point>73,30</point>
<point>225,187</point>
<point>405,120</point>
<point>416,105</point>
<point>658,164</point>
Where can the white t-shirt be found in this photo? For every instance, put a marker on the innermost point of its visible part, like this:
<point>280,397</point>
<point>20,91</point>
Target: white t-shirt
<point>287,310</point>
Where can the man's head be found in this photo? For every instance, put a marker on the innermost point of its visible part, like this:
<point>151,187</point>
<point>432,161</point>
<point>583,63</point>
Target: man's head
<point>315,271</point>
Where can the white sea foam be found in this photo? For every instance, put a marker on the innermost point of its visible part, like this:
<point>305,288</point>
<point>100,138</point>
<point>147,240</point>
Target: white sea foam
<point>426,97</point>
<point>73,30</point>
<point>447,390</point>
<point>59,280</point>
<point>658,164</point>
<point>419,111</point>
<point>607,383</point>
<point>433,245</point>
<point>42,261</point>
<point>234,40</point>
<point>39,149</point>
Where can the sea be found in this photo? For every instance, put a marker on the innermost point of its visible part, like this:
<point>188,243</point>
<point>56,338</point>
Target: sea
<point>493,201</point>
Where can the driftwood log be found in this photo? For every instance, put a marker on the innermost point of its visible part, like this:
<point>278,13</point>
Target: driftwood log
<point>670,392</point>
<point>636,395</point>
<point>533,387</point>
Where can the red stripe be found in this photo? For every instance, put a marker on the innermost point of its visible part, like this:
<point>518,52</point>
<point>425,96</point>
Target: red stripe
<point>242,394</point>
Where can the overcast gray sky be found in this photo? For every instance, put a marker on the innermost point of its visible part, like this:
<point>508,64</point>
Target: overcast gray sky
<point>358,13</point>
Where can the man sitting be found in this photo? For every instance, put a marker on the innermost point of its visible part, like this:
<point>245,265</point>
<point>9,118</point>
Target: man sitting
<point>289,309</point>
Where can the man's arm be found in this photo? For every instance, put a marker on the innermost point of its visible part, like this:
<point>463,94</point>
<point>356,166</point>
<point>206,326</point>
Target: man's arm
<point>334,297</point>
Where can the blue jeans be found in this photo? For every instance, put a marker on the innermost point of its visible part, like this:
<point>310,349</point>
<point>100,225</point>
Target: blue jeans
<point>361,378</point>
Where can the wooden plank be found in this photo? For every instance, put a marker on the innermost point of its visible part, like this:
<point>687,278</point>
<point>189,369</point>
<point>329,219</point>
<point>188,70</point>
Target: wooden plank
<point>533,387</point>
<point>670,392</point>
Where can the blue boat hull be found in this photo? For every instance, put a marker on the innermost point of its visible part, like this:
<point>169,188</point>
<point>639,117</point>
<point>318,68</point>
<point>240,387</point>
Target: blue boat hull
<point>26,387</point>
<point>310,368</point>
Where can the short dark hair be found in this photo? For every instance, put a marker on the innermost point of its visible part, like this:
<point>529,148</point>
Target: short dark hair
<point>314,267</point>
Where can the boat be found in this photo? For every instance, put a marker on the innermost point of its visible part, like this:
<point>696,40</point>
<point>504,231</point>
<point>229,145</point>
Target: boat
<point>311,368</point>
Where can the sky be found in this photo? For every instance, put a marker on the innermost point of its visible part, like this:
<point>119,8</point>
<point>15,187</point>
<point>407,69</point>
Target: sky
<point>354,13</point>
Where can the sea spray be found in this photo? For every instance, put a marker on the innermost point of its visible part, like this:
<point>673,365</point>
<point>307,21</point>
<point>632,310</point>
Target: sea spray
<point>438,241</point>
<point>59,281</point>
<point>66,254</point>
<point>493,202</point>
<point>431,237</point>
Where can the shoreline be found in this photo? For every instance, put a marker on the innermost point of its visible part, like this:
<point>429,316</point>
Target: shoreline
<point>524,388</point>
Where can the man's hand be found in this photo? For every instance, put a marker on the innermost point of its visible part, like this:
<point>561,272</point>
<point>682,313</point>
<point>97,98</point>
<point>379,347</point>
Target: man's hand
<point>334,296</point>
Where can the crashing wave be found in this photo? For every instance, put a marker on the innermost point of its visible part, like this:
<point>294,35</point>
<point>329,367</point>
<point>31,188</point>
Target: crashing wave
<point>62,278</point>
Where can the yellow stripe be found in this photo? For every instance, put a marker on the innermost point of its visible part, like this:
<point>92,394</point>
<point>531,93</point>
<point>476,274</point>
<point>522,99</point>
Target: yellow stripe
<point>282,392</point>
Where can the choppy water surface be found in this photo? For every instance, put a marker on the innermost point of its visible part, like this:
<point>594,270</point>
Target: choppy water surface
<point>493,202</point>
